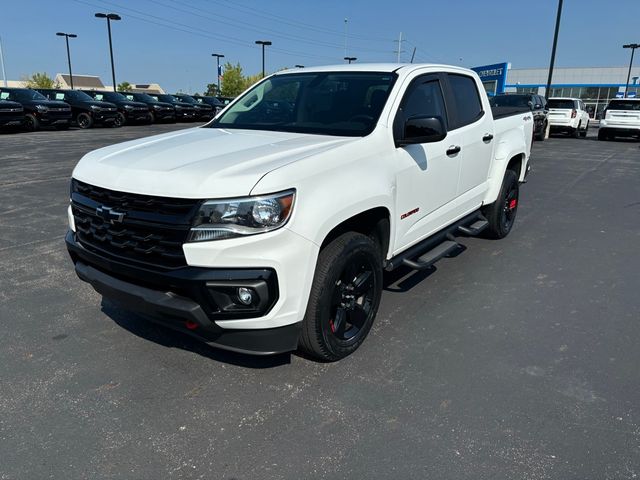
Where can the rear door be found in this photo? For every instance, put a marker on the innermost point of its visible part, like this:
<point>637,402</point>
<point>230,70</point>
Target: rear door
<point>474,127</point>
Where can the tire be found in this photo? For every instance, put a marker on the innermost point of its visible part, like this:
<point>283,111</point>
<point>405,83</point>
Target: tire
<point>31,123</point>
<point>84,120</point>
<point>337,320</point>
<point>576,132</point>
<point>543,134</point>
<point>602,135</point>
<point>120,120</point>
<point>501,214</point>
<point>583,134</point>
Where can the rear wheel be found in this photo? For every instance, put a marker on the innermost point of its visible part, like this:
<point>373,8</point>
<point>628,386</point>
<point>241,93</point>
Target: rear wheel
<point>84,120</point>
<point>576,133</point>
<point>31,123</point>
<point>344,298</point>
<point>501,214</point>
<point>583,133</point>
<point>602,135</point>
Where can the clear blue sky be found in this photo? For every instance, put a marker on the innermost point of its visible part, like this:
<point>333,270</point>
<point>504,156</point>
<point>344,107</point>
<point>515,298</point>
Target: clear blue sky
<point>170,41</point>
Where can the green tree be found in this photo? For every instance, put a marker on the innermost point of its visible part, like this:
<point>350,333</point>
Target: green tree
<point>212,90</point>
<point>125,87</point>
<point>40,80</point>
<point>232,80</point>
<point>251,80</point>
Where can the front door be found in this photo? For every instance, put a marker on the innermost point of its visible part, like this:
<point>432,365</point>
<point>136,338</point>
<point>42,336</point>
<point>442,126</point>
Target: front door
<point>427,174</point>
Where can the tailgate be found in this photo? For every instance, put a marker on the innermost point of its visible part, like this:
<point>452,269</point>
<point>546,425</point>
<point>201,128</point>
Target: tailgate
<point>560,113</point>
<point>625,117</point>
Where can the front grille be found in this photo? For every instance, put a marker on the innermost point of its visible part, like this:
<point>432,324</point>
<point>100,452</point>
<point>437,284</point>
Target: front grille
<point>142,228</point>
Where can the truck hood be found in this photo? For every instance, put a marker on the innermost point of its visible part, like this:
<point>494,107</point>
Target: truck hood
<point>199,162</point>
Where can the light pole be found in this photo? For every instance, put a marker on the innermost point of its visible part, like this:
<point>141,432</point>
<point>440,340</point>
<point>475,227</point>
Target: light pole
<point>547,92</point>
<point>67,36</point>
<point>110,17</point>
<point>263,43</point>
<point>218,57</point>
<point>633,47</point>
<point>350,59</point>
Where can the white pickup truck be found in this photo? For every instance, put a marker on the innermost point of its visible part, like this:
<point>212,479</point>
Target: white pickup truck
<point>269,228</point>
<point>621,119</point>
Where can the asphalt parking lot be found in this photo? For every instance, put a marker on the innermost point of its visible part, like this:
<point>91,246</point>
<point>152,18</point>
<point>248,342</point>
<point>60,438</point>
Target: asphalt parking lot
<point>518,359</point>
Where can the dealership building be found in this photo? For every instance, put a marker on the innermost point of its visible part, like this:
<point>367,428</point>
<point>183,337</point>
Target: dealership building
<point>594,85</point>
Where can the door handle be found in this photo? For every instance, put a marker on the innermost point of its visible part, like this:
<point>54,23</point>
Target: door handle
<point>487,137</point>
<point>453,150</point>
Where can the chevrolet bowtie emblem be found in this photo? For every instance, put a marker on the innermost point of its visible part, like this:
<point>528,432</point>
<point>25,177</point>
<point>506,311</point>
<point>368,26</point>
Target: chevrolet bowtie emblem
<point>109,215</point>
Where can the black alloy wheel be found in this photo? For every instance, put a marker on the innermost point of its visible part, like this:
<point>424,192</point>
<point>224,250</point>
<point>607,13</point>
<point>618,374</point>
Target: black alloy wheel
<point>510,207</point>
<point>120,120</point>
<point>344,297</point>
<point>352,299</point>
<point>501,214</point>
<point>31,123</point>
<point>84,120</point>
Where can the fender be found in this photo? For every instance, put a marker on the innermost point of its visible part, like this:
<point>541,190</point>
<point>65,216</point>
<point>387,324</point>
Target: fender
<point>511,146</point>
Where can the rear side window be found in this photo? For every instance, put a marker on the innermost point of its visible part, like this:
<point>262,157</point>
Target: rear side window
<point>467,100</point>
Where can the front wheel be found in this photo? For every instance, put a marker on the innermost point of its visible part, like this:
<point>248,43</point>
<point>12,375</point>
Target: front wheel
<point>84,120</point>
<point>344,298</point>
<point>120,120</point>
<point>31,122</point>
<point>543,134</point>
<point>501,214</point>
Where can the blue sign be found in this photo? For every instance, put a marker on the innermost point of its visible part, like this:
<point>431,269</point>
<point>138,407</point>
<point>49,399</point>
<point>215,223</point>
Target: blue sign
<point>494,77</point>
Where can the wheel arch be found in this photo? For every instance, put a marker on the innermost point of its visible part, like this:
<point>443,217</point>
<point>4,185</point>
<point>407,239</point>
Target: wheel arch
<point>374,222</point>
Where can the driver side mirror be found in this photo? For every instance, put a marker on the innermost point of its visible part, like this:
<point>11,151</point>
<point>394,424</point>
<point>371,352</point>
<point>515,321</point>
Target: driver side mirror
<point>422,129</point>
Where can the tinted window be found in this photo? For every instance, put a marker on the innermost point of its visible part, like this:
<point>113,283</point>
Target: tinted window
<point>467,100</point>
<point>325,103</point>
<point>510,101</point>
<point>557,103</point>
<point>624,105</point>
<point>425,99</point>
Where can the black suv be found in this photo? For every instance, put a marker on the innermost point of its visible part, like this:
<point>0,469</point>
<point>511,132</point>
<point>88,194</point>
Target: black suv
<point>159,111</point>
<point>213,101</point>
<point>128,111</point>
<point>86,111</point>
<point>184,111</point>
<point>537,104</point>
<point>11,114</point>
<point>38,110</point>
<point>203,111</point>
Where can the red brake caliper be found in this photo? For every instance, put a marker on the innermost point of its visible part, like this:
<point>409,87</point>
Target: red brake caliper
<point>512,204</point>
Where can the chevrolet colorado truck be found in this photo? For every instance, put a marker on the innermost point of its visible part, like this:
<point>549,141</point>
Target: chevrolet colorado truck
<point>269,228</point>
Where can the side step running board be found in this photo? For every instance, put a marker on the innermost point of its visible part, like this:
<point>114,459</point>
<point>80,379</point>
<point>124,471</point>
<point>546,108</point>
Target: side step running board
<point>432,256</point>
<point>474,229</point>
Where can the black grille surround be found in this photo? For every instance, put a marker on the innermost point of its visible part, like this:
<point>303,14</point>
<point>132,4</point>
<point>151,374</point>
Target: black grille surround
<point>132,228</point>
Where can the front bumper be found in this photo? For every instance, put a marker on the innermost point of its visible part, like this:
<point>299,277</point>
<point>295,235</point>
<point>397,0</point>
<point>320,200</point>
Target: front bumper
<point>12,120</point>
<point>195,299</point>
<point>104,117</point>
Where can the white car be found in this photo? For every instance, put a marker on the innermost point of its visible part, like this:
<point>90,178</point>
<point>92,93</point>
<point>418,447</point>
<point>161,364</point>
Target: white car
<point>621,118</point>
<point>568,115</point>
<point>269,228</point>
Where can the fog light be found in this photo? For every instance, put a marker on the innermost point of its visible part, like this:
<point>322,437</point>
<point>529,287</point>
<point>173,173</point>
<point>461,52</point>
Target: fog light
<point>245,295</point>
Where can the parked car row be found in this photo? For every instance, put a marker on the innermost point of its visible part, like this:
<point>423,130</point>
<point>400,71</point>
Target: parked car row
<point>570,115</point>
<point>31,109</point>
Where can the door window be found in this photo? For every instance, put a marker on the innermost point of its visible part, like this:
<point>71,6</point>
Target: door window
<point>425,99</point>
<point>467,100</point>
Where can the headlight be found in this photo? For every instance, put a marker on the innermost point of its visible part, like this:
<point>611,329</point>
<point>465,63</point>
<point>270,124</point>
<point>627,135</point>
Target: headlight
<point>238,217</point>
<point>42,108</point>
<point>95,108</point>
<point>128,107</point>
<point>157,107</point>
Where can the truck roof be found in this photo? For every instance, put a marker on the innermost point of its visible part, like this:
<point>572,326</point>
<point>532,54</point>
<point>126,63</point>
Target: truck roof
<point>368,67</point>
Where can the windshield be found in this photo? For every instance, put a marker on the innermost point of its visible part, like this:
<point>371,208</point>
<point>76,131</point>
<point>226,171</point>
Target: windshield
<point>185,99</point>
<point>556,103</point>
<point>624,105</point>
<point>109,97</point>
<point>164,98</point>
<point>214,102</point>
<point>73,95</point>
<point>21,95</point>
<point>142,97</point>
<point>324,103</point>
<point>510,101</point>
